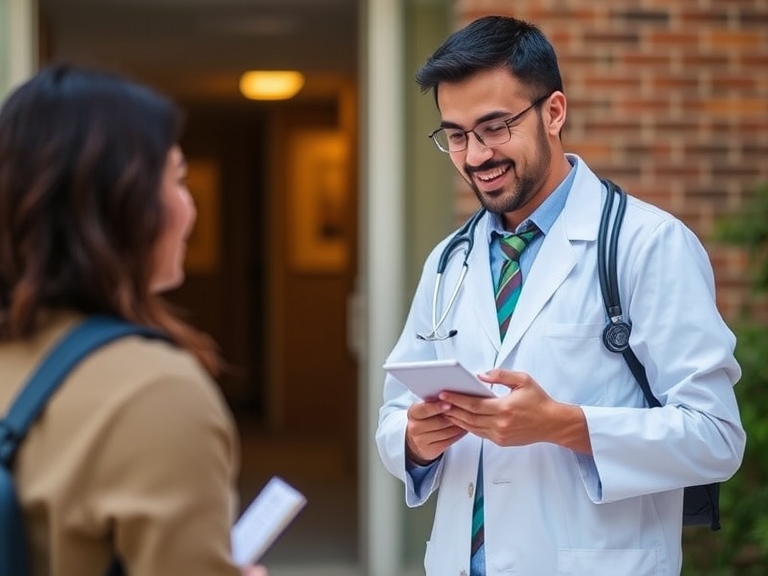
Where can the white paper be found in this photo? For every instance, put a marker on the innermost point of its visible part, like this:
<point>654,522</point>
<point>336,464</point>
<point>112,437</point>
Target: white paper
<point>264,520</point>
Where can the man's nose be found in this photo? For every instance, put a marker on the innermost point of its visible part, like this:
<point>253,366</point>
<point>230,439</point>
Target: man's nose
<point>476,149</point>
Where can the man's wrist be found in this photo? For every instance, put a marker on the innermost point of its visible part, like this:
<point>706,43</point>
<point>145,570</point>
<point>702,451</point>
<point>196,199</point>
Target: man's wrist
<point>414,459</point>
<point>571,430</point>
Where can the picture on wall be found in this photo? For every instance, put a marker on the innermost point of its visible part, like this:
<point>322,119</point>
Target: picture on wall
<point>203,245</point>
<point>319,200</point>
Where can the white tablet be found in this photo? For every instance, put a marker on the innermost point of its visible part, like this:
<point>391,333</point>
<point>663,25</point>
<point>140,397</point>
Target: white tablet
<point>428,378</point>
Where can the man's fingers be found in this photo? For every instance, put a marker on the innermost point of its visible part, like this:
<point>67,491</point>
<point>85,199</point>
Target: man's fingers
<point>508,378</point>
<point>424,410</point>
<point>472,404</point>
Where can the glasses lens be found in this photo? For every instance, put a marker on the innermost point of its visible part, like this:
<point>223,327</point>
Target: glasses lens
<point>493,132</point>
<point>449,140</point>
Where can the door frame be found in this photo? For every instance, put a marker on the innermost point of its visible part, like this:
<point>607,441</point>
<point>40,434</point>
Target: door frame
<point>382,267</point>
<point>19,42</point>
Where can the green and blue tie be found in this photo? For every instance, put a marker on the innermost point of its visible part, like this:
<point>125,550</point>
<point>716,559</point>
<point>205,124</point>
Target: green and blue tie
<point>511,280</point>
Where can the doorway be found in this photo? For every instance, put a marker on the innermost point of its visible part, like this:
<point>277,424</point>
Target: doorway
<point>273,259</point>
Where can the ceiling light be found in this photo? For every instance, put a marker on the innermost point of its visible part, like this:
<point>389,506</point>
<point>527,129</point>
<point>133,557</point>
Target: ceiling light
<point>271,84</point>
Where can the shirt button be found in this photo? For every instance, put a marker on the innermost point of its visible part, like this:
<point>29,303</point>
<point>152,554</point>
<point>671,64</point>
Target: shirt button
<point>471,489</point>
<point>463,573</point>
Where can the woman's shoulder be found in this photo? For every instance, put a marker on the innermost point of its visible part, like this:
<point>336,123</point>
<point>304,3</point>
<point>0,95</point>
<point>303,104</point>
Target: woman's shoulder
<point>115,372</point>
<point>136,365</point>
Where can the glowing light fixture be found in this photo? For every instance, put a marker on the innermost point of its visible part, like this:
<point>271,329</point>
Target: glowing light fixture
<point>271,84</point>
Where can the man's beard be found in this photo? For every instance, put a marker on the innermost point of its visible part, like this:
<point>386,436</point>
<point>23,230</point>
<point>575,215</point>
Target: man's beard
<point>525,187</point>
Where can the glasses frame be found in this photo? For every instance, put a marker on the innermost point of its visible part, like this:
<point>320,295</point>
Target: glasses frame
<point>508,122</point>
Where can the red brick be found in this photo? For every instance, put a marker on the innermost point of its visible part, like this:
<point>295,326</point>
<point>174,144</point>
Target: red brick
<point>615,126</point>
<point>639,16</point>
<point>704,60</point>
<point>728,106</point>
<point>749,18</point>
<point>646,59</point>
<point>582,12</point>
<point>666,82</point>
<point>742,40</point>
<point>759,61</point>
<point>632,106</point>
<point>674,127</point>
<point>704,17</point>
<point>593,151</point>
<point>753,152</point>
<point>606,81</point>
<point>571,60</point>
<point>689,170</point>
<point>667,39</point>
<point>715,151</point>
<point>612,38</point>
<point>657,150</point>
<point>734,82</point>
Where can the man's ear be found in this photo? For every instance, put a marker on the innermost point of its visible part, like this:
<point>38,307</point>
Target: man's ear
<point>554,113</point>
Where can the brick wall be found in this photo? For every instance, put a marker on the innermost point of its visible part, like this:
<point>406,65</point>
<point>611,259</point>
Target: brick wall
<point>669,98</point>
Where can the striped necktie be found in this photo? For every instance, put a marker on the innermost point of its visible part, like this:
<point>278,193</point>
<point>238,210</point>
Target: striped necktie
<point>507,294</point>
<point>511,279</point>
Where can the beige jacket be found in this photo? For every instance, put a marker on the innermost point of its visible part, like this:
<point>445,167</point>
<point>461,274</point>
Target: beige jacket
<point>136,452</point>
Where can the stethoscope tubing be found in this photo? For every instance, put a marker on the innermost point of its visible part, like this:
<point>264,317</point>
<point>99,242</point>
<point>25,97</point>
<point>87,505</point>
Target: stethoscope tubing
<point>464,235</point>
<point>616,333</point>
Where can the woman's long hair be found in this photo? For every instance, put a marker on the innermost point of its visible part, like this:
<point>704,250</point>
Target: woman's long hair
<point>82,154</point>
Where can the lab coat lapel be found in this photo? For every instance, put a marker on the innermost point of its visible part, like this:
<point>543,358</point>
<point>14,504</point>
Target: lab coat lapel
<point>561,249</point>
<point>554,261</point>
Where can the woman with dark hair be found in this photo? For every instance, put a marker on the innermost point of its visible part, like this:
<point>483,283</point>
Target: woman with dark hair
<point>136,455</point>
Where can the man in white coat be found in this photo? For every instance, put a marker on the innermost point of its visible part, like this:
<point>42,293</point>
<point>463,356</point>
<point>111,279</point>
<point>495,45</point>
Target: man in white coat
<point>578,476</point>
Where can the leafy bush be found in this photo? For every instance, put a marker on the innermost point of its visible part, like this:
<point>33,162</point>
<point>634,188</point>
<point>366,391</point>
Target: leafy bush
<point>741,547</point>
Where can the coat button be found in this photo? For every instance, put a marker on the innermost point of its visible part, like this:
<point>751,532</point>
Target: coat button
<point>471,489</point>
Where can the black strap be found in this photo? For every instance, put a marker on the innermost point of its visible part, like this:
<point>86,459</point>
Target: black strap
<point>639,372</point>
<point>607,249</point>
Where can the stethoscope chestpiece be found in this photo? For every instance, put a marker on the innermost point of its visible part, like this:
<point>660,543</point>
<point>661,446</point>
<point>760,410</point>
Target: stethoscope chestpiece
<point>616,336</point>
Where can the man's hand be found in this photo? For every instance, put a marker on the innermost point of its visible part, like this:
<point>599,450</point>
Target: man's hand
<point>429,432</point>
<point>525,416</point>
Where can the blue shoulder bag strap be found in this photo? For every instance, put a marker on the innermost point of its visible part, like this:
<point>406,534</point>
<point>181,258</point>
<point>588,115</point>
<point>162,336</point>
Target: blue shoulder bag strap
<point>75,345</point>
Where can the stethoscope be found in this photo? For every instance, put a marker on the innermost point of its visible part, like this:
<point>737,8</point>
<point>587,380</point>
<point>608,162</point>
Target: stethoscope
<point>616,333</point>
<point>464,235</point>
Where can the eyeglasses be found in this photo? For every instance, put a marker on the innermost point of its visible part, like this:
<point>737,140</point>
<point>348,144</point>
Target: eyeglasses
<point>490,133</point>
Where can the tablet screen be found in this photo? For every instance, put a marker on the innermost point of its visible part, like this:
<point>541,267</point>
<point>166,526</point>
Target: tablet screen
<point>428,378</point>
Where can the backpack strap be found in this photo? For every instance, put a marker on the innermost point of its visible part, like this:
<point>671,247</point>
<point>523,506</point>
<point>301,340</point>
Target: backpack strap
<point>73,347</point>
<point>80,341</point>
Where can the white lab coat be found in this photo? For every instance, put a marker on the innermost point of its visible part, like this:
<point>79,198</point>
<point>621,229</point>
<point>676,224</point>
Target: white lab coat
<point>551,511</point>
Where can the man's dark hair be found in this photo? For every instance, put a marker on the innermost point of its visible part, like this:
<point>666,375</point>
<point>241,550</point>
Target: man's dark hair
<point>492,42</point>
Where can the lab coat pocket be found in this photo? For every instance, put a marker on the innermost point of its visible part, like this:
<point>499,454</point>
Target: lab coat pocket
<point>627,562</point>
<point>569,350</point>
